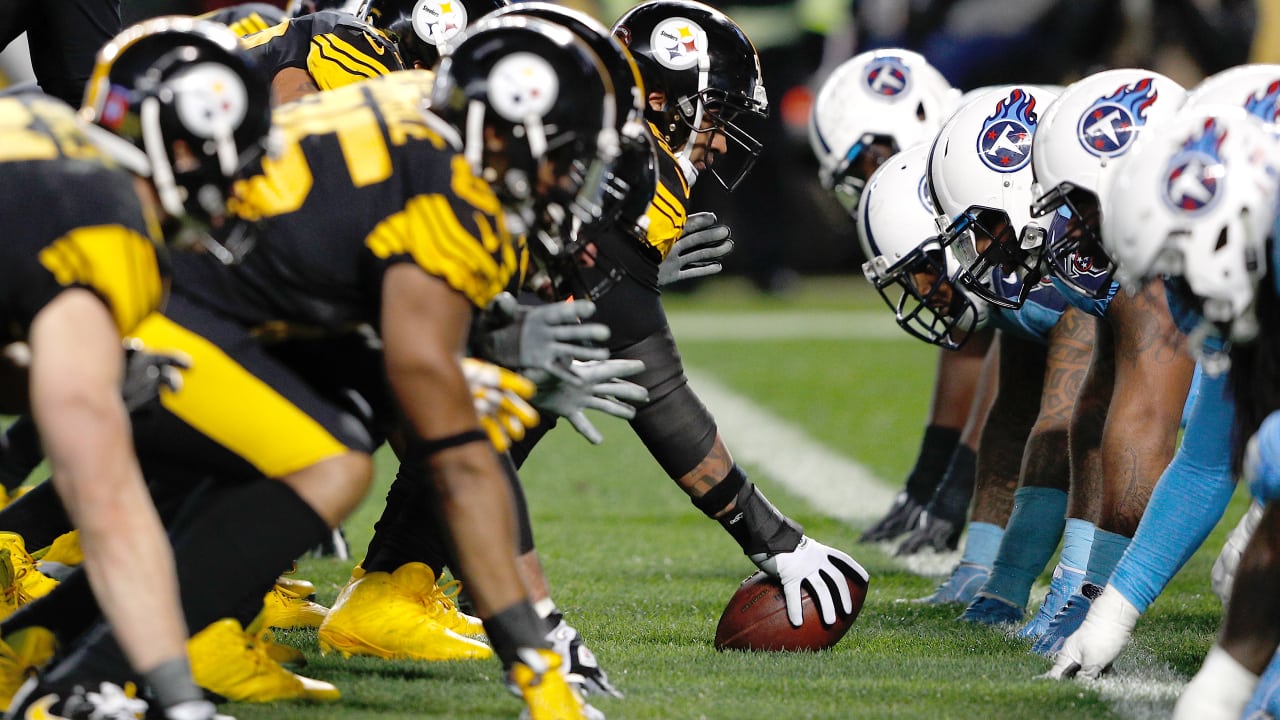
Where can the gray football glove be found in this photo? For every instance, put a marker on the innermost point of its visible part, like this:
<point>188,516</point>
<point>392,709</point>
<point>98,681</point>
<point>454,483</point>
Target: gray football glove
<point>541,337</point>
<point>698,252</point>
<point>146,372</point>
<point>595,386</point>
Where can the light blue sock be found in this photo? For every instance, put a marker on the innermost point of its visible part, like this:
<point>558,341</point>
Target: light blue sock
<point>1035,527</point>
<point>1189,500</point>
<point>981,544</point>
<point>1077,540</point>
<point>1104,555</point>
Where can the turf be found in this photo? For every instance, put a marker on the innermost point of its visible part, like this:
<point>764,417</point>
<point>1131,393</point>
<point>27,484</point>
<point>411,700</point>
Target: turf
<point>644,576</point>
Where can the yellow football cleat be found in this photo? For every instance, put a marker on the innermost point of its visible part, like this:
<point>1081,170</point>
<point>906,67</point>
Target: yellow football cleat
<point>302,588</point>
<point>284,608</point>
<point>546,693</point>
<point>227,661</point>
<point>453,618</point>
<point>21,655</point>
<point>395,616</point>
<point>65,550</point>
<point>22,582</point>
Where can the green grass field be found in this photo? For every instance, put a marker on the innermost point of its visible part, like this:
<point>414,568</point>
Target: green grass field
<point>644,575</point>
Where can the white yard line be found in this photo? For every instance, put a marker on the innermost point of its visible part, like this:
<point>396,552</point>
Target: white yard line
<point>1140,689</point>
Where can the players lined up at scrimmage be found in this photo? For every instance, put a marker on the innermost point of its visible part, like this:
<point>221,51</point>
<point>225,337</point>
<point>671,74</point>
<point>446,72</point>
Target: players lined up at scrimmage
<point>1161,209</point>
<point>378,235</point>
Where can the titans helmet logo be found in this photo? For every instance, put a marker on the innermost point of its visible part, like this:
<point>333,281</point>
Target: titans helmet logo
<point>1194,176</point>
<point>888,78</point>
<point>1265,103</point>
<point>1004,145</point>
<point>1110,125</point>
<point>922,192</point>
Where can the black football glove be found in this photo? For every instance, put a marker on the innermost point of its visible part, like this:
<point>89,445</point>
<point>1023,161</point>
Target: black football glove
<point>901,518</point>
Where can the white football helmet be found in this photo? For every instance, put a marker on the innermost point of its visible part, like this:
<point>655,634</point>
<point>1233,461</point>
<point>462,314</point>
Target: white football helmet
<point>894,96</point>
<point>907,265</point>
<point>1195,202</point>
<point>1094,122</point>
<point>980,178</point>
<point>1256,88</point>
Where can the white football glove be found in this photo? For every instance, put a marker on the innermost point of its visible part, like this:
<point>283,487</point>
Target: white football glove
<point>543,337</point>
<point>1220,691</point>
<point>1223,574</point>
<point>1099,640</point>
<point>591,386</point>
<point>816,564</point>
<point>501,400</point>
<point>697,253</point>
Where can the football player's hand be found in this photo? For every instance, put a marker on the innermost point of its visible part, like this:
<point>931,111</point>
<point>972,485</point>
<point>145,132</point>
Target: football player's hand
<point>933,532</point>
<point>698,252</point>
<point>1262,460</point>
<point>821,567</point>
<point>542,337</point>
<point>901,518</point>
<point>1100,639</point>
<point>594,386</point>
<point>501,400</point>
<point>147,372</point>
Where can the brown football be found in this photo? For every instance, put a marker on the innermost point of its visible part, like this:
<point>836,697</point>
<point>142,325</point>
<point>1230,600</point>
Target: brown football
<point>756,618</point>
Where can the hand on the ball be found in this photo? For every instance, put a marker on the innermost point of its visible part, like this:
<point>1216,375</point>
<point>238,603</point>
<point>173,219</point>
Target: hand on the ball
<point>820,566</point>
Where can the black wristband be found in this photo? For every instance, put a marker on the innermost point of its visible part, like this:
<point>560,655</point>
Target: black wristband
<point>951,499</point>
<point>518,626</point>
<point>931,464</point>
<point>758,527</point>
<point>417,449</point>
<point>724,492</point>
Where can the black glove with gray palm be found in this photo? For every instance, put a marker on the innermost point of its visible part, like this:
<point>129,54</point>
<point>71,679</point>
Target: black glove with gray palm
<point>593,385</point>
<point>540,337</point>
<point>698,252</point>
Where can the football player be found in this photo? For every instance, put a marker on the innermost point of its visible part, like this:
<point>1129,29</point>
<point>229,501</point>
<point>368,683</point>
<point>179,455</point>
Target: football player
<point>691,112</point>
<point>247,18</point>
<point>1200,474</point>
<point>429,244</point>
<point>1138,377</point>
<point>88,272</point>
<point>870,107</point>
<point>1219,274</point>
<point>1044,343</point>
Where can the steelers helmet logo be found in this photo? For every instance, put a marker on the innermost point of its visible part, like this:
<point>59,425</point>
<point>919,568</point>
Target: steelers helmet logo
<point>888,78</point>
<point>522,85</point>
<point>439,22</point>
<point>209,99</point>
<point>1004,145</point>
<point>677,43</point>
<point>1194,176</point>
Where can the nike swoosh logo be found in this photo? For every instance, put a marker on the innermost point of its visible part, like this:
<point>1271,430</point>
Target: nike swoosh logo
<point>377,46</point>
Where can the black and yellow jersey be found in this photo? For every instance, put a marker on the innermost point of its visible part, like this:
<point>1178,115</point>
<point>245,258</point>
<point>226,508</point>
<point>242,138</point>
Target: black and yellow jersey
<point>247,18</point>
<point>664,219</point>
<point>72,219</point>
<point>334,47</point>
<point>365,178</point>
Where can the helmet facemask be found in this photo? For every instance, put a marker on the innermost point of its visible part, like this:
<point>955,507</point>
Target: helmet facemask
<point>1079,250</point>
<point>713,112</point>
<point>849,178</point>
<point>983,239</point>
<point>924,300</point>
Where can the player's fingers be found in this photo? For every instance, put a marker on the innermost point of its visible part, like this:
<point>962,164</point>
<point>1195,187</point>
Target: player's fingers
<point>585,428</point>
<point>795,611</point>
<point>822,595</point>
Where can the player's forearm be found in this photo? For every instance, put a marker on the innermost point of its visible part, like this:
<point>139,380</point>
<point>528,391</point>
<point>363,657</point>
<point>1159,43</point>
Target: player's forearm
<point>127,554</point>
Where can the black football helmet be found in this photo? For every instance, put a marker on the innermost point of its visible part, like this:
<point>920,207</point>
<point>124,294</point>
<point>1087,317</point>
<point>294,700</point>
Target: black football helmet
<point>298,8</point>
<point>536,112</point>
<point>707,68</point>
<point>425,30</point>
<point>632,183</point>
<point>185,106</point>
